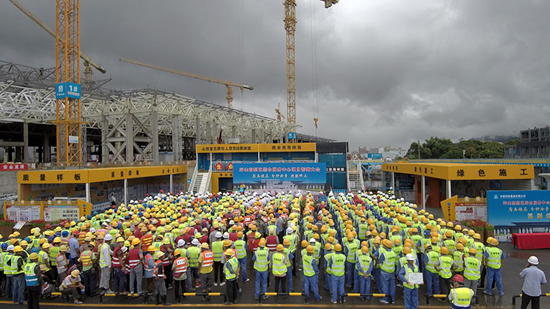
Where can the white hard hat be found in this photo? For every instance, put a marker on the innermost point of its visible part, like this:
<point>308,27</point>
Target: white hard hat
<point>409,257</point>
<point>226,235</point>
<point>108,237</point>
<point>533,260</point>
<point>181,243</point>
<point>218,235</point>
<point>289,230</point>
<point>195,242</point>
<point>312,240</point>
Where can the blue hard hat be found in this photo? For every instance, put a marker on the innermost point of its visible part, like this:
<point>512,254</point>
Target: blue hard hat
<point>427,233</point>
<point>89,217</point>
<point>65,233</point>
<point>50,239</point>
<point>4,246</point>
<point>140,214</point>
<point>94,213</point>
<point>57,234</point>
<point>27,239</point>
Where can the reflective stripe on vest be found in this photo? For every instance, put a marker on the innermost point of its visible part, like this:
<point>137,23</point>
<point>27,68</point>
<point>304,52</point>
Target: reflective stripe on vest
<point>462,297</point>
<point>234,265</point>
<point>115,262</point>
<point>54,252</point>
<point>41,259</point>
<point>14,269</point>
<point>279,264</point>
<point>7,265</point>
<point>328,256</point>
<point>30,277</point>
<point>102,262</point>
<point>471,270</point>
<point>181,266</point>
<point>457,258</point>
<point>432,258</point>
<point>365,261</point>
<point>494,257</point>
<point>271,243</point>
<point>307,260</point>
<point>133,258</point>
<point>445,265</point>
<point>480,248</point>
<point>352,248</point>
<point>217,249</point>
<point>239,246</point>
<point>2,261</point>
<point>86,258</point>
<point>261,263</point>
<point>207,258</point>
<point>338,265</point>
<point>409,270</point>
<point>194,254</point>
<point>389,261</point>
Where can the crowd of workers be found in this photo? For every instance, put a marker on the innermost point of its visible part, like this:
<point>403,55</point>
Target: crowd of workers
<point>362,243</point>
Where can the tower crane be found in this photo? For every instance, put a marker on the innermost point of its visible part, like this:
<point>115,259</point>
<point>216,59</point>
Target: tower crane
<point>88,63</point>
<point>228,84</point>
<point>290,27</point>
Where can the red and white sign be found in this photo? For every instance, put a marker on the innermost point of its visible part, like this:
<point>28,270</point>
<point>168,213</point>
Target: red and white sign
<point>7,167</point>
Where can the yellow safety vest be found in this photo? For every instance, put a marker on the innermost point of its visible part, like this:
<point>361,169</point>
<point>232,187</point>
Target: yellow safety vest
<point>279,264</point>
<point>306,265</point>
<point>14,270</point>
<point>457,258</point>
<point>364,260</point>
<point>389,261</point>
<point>234,264</point>
<point>194,253</point>
<point>261,264</point>
<point>338,265</point>
<point>494,260</point>
<point>217,249</point>
<point>239,247</point>
<point>462,296</point>
<point>471,272</point>
<point>409,270</point>
<point>41,259</point>
<point>432,258</point>
<point>445,265</point>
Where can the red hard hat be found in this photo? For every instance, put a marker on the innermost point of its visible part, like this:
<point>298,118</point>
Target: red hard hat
<point>458,278</point>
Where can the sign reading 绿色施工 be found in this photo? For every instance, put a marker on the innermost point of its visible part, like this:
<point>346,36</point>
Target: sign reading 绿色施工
<point>280,176</point>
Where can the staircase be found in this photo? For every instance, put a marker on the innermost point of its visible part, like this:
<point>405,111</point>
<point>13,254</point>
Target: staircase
<point>200,183</point>
<point>355,177</point>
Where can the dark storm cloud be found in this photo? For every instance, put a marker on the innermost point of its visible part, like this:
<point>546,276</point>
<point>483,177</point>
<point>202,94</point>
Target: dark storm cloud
<point>386,72</point>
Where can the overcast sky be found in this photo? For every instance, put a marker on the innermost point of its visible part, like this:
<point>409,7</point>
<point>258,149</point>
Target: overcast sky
<point>375,72</point>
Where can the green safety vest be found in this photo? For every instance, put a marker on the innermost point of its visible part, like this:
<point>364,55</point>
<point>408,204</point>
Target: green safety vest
<point>54,251</point>
<point>31,278</point>
<point>338,265</point>
<point>457,258</point>
<point>432,258</point>
<point>287,255</point>
<point>398,250</point>
<point>217,249</point>
<point>292,244</point>
<point>462,296</point>
<point>13,262</point>
<point>416,238</point>
<point>409,270</point>
<point>471,270</point>
<point>352,248</point>
<point>7,265</point>
<point>436,248</point>
<point>480,248</point>
<point>194,253</point>
<point>279,264</point>
<point>445,265</point>
<point>389,261</point>
<point>364,260</point>
<point>234,264</point>
<point>102,262</point>
<point>423,243</point>
<point>328,256</point>
<point>41,259</point>
<point>2,261</point>
<point>239,247</point>
<point>494,260</point>
<point>451,245</point>
<point>363,228</point>
<point>261,264</point>
<point>306,265</point>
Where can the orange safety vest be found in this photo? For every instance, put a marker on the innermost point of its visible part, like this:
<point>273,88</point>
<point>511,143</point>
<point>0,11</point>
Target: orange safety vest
<point>207,258</point>
<point>86,259</point>
<point>146,241</point>
<point>181,266</point>
<point>155,272</point>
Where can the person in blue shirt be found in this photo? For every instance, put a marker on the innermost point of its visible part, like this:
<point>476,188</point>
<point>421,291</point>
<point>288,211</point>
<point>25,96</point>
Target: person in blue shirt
<point>492,258</point>
<point>310,275</point>
<point>410,290</point>
<point>364,274</point>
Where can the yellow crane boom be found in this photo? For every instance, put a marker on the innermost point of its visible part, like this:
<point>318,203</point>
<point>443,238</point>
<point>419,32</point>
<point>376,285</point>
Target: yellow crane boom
<point>226,83</point>
<point>87,61</point>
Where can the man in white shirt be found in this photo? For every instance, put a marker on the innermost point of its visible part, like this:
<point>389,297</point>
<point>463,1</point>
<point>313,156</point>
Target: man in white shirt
<point>533,279</point>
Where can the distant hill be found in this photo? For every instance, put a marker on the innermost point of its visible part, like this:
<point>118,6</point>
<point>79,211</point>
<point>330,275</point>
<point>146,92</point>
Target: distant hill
<point>497,138</point>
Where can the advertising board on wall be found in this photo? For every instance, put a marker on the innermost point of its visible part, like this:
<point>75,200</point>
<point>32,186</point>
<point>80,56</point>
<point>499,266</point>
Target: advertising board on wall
<point>280,176</point>
<point>518,212</point>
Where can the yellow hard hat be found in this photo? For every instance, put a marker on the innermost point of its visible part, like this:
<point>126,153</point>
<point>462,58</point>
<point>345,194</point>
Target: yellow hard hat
<point>472,251</point>
<point>459,247</point>
<point>337,247</point>
<point>286,242</point>
<point>262,242</point>
<point>387,243</point>
<point>177,252</point>
<point>33,256</point>
<point>328,247</point>
<point>365,249</point>
<point>477,236</point>
<point>135,241</point>
<point>280,247</point>
<point>75,273</point>
<point>63,248</point>
<point>309,249</point>
<point>17,249</point>
<point>229,252</point>
<point>46,246</point>
<point>444,250</point>
<point>151,249</point>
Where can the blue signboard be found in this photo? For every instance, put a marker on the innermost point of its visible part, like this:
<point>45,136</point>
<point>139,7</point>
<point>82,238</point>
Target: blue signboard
<point>60,91</point>
<point>64,90</point>
<point>518,208</point>
<point>291,135</point>
<point>282,176</point>
<point>374,155</point>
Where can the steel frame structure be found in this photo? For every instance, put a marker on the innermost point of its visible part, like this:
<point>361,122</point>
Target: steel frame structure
<point>27,95</point>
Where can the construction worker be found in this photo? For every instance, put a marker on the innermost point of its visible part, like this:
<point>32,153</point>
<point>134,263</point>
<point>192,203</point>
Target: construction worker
<point>18,272</point>
<point>472,271</point>
<point>179,269</point>
<point>350,250</point>
<point>33,280</point>
<point>44,259</point>
<point>289,262</point>
<point>449,241</point>
<point>240,247</point>
<point>410,290</point>
<point>217,249</point>
<point>104,262</point>
<point>364,267</point>
<point>8,272</point>
<point>460,296</point>
<point>337,266</point>
<point>493,261</point>
<point>292,247</point>
<point>231,272</point>
<point>206,263</point>
<point>431,274</point>
<point>310,274</point>
<point>458,258</point>
<point>445,266</point>
<point>194,254</point>
<point>261,266</point>
<point>160,285</point>
<point>118,263</point>
<point>87,259</point>
<point>480,251</point>
<point>328,272</point>
<point>149,267</point>
<point>72,286</point>
<point>279,269</point>
<point>387,261</point>
<point>135,258</point>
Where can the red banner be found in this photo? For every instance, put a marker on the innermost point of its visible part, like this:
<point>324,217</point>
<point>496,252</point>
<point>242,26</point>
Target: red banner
<point>6,167</point>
